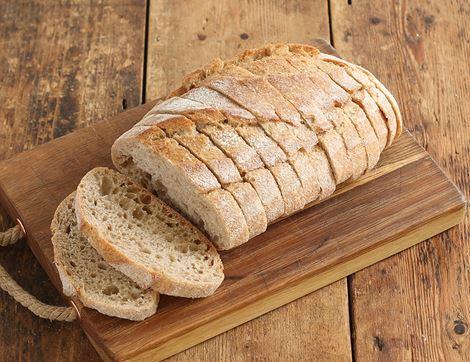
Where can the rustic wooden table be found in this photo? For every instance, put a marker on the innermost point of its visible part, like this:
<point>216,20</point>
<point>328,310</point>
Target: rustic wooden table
<point>65,65</point>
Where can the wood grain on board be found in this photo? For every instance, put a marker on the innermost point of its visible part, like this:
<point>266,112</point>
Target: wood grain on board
<point>182,39</point>
<point>63,66</point>
<point>416,305</point>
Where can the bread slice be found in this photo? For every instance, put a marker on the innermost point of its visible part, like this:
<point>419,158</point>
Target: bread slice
<point>145,239</point>
<point>174,175</point>
<point>265,185</point>
<point>366,132</point>
<point>87,276</point>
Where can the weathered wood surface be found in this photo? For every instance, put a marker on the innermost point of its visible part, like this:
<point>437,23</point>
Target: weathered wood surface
<point>182,38</point>
<point>416,305</point>
<point>62,66</point>
<point>415,55</point>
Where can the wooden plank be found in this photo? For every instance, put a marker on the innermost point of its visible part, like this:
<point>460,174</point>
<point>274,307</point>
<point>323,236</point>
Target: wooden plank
<point>416,305</point>
<point>182,38</point>
<point>63,65</point>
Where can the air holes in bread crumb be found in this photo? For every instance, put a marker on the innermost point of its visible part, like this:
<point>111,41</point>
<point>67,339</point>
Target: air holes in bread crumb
<point>132,196</point>
<point>72,263</point>
<point>145,199</point>
<point>145,250</point>
<point>147,209</point>
<point>111,290</point>
<point>102,266</point>
<point>137,214</point>
<point>135,295</point>
<point>124,203</point>
<point>106,186</point>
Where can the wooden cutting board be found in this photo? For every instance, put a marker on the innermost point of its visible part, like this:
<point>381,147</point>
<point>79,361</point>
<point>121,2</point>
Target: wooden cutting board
<point>405,200</point>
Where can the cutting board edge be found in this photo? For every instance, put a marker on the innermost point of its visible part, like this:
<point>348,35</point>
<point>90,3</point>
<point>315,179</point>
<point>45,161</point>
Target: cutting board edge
<point>284,296</point>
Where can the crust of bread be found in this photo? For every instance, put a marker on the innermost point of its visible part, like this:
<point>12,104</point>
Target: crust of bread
<point>267,149</point>
<point>184,131</point>
<point>180,158</point>
<point>307,173</point>
<point>373,113</point>
<point>390,97</point>
<point>230,212</point>
<point>379,98</point>
<point>365,130</point>
<point>119,311</point>
<point>290,187</point>
<point>384,99</point>
<point>232,111</point>
<point>266,187</point>
<point>325,177</point>
<point>227,139</point>
<point>353,142</point>
<point>251,206</point>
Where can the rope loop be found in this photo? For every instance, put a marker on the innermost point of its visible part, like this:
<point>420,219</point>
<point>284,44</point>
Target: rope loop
<point>42,310</point>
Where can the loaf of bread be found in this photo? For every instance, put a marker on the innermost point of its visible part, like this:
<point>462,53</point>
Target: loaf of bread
<point>246,141</point>
<point>87,276</point>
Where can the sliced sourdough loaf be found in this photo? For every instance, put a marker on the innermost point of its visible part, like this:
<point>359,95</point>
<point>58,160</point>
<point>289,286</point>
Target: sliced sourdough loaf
<point>294,123</point>
<point>87,276</point>
<point>145,239</point>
